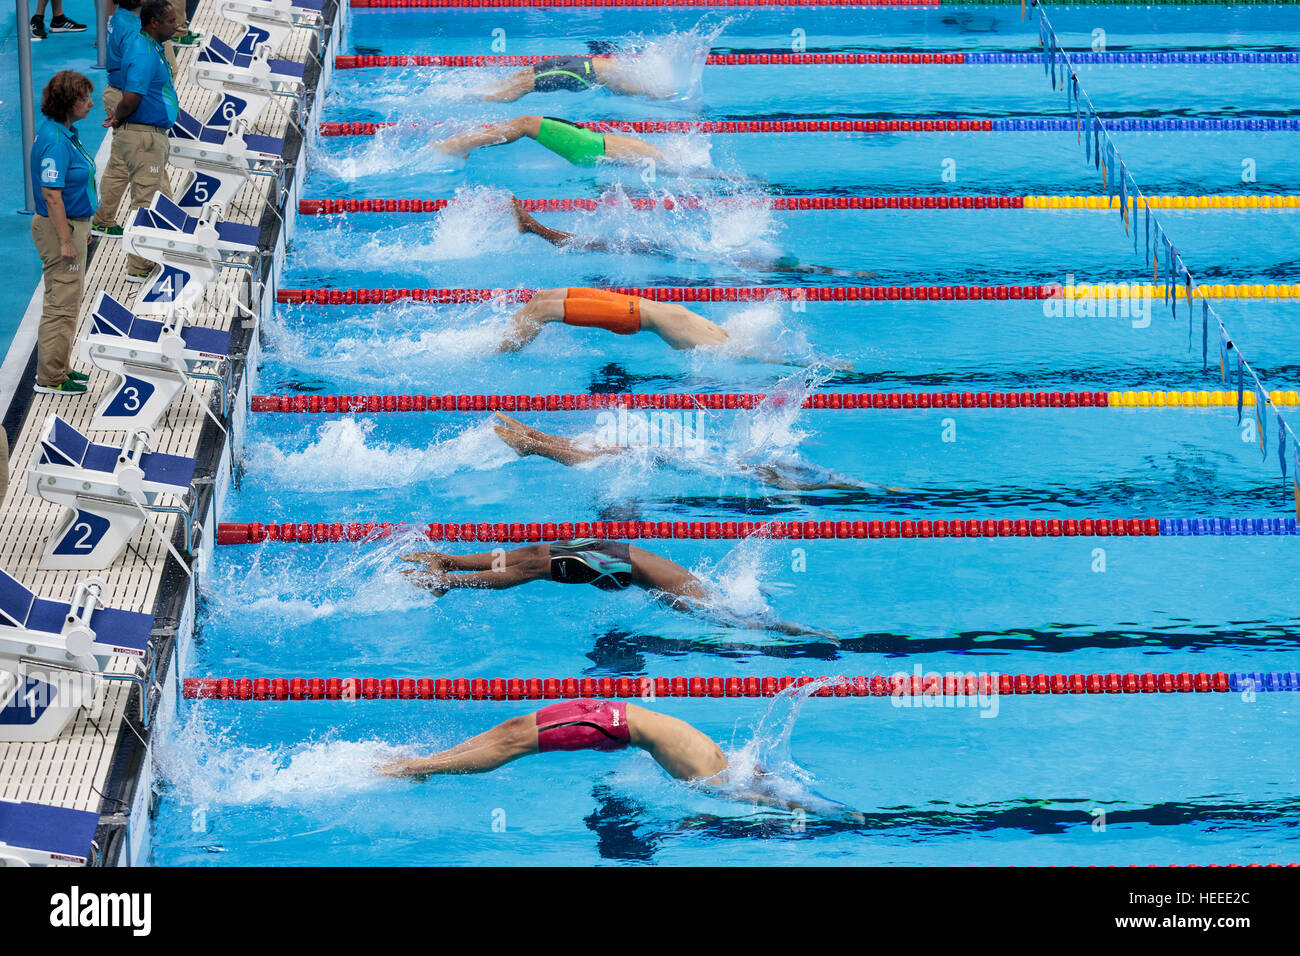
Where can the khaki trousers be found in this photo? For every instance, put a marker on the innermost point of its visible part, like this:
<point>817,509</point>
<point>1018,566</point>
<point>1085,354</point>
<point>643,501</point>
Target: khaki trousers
<point>4,464</point>
<point>64,282</point>
<point>142,151</point>
<point>112,185</point>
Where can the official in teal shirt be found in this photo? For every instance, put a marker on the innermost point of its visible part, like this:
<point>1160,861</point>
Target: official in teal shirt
<point>140,122</point>
<point>63,180</point>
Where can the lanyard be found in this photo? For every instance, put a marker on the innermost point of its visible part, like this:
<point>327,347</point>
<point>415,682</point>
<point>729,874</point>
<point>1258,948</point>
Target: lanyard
<point>90,163</point>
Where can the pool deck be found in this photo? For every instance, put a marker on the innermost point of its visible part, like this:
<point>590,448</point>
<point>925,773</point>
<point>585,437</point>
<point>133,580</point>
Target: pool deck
<point>102,764</point>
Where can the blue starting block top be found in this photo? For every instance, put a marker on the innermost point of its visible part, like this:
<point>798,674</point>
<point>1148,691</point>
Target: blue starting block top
<point>110,317</point>
<point>20,607</point>
<point>61,444</point>
<point>59,831</point>
<point>189,127</point>
<point>216,50</point>
<point>165,214</point>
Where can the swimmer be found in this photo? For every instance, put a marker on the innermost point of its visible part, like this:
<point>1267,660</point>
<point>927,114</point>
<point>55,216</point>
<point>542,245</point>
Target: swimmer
<point>527,223</point>
<point>577,144</point>
<point>576,74</point>
<point>626,315</point>
<point>684,752</point>
<point>604,564</point>
<point>526,441</point>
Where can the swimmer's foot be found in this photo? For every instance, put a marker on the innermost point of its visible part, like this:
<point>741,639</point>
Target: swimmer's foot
<point>523,219</point>
<point>517,435</point>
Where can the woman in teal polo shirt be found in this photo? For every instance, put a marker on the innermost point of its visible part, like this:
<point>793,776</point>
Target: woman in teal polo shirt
<point>63,181</point>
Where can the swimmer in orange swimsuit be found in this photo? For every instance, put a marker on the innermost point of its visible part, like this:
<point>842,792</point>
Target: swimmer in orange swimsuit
<point>622,314</point>
<point>684,752</point>
<point>609,565</point>
<point>525,441</point>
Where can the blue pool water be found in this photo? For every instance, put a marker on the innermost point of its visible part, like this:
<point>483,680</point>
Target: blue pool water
<point>1022,780</point>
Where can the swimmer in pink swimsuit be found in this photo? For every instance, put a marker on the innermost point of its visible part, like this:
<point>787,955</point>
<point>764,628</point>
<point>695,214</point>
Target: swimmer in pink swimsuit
<point>584,724</point>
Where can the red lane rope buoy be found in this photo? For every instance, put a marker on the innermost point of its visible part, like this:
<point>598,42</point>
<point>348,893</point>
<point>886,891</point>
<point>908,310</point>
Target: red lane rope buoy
<point>892,293</point>
<point>329,207</point>
<point>372,60</point>
<point>533,688</point>
<point>623,4</point>
<point>321,532</point>
<point>344,404</point>
<point>728,126</point>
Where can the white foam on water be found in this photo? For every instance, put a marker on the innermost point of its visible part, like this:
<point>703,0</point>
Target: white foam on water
<point>402,150</point>
<point>202,766</point>
<point>346,456</point>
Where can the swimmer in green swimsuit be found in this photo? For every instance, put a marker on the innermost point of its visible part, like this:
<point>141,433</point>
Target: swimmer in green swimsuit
<point>577,144</point>
<point>605,564</point>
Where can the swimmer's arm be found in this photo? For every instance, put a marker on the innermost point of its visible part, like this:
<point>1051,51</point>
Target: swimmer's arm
<point>827,809</point>
<point>690,605</point>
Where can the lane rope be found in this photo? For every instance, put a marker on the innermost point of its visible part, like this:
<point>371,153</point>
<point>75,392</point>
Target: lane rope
<point>1036,124</point>
<point>584,401</point>
<point>897,685</point>
<point>893,293</point>
<point>329,207</point>
<point>1119,58</point>
<point>325,532</point>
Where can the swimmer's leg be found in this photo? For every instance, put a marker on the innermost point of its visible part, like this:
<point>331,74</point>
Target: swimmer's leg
<point>516,85</point>
<point>529,441</point>
<point>515,738</point>
<point>546,305</point>
<point>498,134</point>
<point>616,79</point>
<point>679,326</point>
<point>654,572</point>
<point>630,149</point>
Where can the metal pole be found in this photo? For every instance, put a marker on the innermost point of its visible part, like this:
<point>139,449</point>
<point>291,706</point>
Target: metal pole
<point>102,13</point>
<point>28,101</point>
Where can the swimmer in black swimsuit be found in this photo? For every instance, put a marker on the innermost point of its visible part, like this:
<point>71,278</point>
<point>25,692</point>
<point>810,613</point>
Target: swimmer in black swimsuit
<point>567,240</point>
<point>525,441</point>
<point>575,74</point>
<point>608,565</point>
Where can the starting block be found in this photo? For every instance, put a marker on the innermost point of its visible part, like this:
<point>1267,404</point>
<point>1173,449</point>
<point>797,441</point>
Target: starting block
<point>152,361</point>
<point>220,160</point>
<point>245,81</point>
<point>269,22</point>
<point>107,493</point>
<point>54,656</point>
<point>36,834</point>
<point>190,250</point>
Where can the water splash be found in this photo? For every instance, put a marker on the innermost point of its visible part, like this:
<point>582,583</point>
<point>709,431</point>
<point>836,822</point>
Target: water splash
<point>202,765</point>
<point>272,594</point>
<point>402,151</point>
<point>347,457</point>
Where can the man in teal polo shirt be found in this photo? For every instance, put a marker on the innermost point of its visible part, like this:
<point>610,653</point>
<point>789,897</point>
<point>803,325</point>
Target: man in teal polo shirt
<point>123,27</point>
<point>147,110</point>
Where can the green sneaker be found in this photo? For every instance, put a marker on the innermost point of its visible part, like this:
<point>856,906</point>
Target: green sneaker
<point>63,388</point>
<point>75,376</point>
<point>108,232</point>
<point>137,276</point>
<point>188,38</point>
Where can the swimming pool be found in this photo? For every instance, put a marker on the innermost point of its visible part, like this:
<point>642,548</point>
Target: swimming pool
<point>1031,778</point>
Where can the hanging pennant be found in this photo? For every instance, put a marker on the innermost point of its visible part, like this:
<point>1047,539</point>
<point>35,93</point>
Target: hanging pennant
<point>1123,198</point>
<point>1096,132</point>
<point>1087,136</point>
<point>1241,386</point>
<point>1261,409</point>
<point>1205,335</point>
<point>1147,207</point>
<point>1281,443</point>
<point>1224,346</point>
<point>1189,312</point>
<point>1295,482</point>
